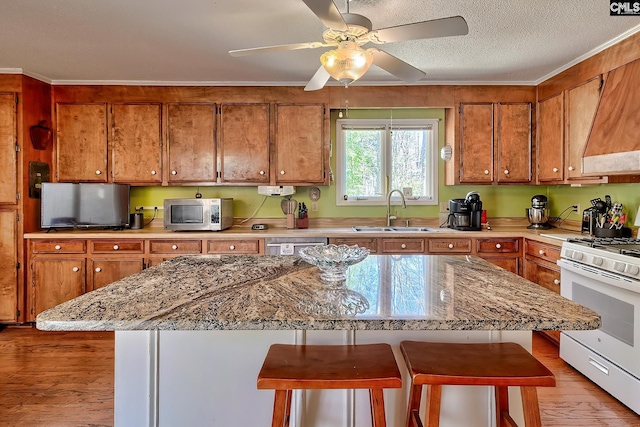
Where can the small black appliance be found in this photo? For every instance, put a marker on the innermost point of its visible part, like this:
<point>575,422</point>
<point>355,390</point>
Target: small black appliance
<point>538,213</point>
<point>466,214</point>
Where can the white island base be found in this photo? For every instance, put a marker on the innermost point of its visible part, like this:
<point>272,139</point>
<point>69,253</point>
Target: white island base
<point>208,378</point>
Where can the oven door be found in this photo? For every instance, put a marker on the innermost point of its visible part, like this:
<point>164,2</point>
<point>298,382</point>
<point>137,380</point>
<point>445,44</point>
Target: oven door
<point>617,300</point>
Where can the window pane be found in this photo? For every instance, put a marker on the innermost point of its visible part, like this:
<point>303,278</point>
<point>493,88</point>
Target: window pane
<point>408,299</point>
<point>409,160</point>
<point>363,166</point>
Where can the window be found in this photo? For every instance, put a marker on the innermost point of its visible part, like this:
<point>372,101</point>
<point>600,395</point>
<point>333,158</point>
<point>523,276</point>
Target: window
<point>374,152</point>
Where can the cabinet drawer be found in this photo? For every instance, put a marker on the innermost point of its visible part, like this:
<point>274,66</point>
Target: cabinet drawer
<point>413,246</point>
<point>459,246</point>
<point>233,247</point>
<point>371,244</point>
<point>116,246</point>
<point>497,246</point>
<point>177,246</point>
<point>59,246</point>
<point>542,250</point>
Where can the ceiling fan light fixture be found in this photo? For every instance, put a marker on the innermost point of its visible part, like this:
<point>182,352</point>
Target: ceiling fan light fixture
<point>347,63</point>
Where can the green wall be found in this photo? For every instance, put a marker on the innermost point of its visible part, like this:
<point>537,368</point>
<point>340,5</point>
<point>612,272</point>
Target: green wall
<point>500,201</point>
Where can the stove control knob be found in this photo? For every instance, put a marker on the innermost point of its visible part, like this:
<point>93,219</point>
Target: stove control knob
<point>632,269</point>
<point>597,260</point>
<point>577,255</point>
<point>619,266</point>
<point>568,253</point>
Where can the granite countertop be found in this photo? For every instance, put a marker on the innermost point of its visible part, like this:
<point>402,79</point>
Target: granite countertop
<point>383,292</point>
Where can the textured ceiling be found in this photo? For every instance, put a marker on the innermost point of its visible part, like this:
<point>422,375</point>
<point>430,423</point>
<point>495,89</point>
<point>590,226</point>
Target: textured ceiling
<point>187,41</point>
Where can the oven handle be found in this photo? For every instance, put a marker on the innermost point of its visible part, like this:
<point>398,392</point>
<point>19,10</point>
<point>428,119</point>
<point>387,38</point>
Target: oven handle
<point>598,366</point>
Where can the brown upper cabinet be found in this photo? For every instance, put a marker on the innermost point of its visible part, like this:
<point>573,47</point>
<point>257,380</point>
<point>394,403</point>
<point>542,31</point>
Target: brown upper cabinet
<point>81,144</point>
<point>8,150</point>
<point>495,143</point>
<point>564,123</point>
<point>191,144</point>
<point>302,147</point>
<point>136,147</point>
<point>244,145</point>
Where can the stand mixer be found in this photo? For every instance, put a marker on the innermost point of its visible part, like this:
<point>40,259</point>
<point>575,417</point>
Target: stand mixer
<point>538,213</point>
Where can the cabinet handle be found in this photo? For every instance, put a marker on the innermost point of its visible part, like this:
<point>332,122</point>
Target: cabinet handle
<point>506,171</point>
<point>76,269</point>
<point>281,172</point>
<point>403,246</point>
<point>262,172</point>
<point>98,269</point>
<point>174,173</point>
<point>57,247</point>
<point>498,245</point>
<point>571,168</point>
<point>450,245</point>
<point>174,247</point>
<point>232,247</point>
<point>153,172</point>
<point>98,172</point>
<point>556,281</point>
<point>116,247</point>
<point>541,252</point>
<point>555,169</point>
<point>486,171</point>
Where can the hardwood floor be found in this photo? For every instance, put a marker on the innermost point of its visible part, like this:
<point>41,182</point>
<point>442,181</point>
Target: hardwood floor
<point>65,379</point>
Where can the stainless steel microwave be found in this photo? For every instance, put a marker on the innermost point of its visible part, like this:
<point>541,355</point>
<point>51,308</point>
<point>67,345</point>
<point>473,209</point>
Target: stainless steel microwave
<point>198,214</point>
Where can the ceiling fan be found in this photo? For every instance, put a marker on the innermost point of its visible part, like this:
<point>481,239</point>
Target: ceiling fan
<point>348,32</point>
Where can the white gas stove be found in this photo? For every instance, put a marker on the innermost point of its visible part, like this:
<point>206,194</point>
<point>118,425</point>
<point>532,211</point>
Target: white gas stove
<point>618,255</point>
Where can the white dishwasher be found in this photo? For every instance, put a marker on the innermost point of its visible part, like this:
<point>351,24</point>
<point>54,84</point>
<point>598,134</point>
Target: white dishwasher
<point>291,245</point>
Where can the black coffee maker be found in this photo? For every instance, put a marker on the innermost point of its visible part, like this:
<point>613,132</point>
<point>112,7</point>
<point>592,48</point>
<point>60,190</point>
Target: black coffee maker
<point>466,214</point>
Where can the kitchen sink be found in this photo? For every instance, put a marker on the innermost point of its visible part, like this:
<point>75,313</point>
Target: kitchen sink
<point>372,229</point>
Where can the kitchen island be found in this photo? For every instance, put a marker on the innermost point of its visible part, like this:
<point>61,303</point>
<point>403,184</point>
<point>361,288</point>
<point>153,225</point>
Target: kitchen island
<point>191,333</point>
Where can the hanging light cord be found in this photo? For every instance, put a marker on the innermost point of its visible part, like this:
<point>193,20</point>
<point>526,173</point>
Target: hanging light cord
<point>255,211</point>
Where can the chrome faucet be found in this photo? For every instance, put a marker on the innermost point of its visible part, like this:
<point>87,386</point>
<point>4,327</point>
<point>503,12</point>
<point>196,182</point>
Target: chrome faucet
<point>404,205</point>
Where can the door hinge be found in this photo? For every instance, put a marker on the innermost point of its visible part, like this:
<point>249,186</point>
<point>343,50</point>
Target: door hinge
<point>218,174</point>
<point>17,313</point>
<point>18,217</point>
<point>17,148</point>
<point>17,99</point>
<point>17,266</point>
<point>460,109</point>
<point>17,196</point>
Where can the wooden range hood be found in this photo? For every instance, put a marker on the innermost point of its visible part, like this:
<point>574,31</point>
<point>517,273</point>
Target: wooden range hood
<point>613,147</point>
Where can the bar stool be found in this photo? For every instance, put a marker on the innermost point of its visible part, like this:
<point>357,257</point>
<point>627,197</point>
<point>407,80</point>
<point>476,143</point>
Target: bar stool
<point>364,366</point>
<point>500,365</point>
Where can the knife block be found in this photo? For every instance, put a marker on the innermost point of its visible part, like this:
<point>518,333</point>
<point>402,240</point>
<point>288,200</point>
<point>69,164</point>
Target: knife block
<point>291,221</point>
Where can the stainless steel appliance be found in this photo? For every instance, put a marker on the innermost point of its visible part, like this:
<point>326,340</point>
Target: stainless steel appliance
<point>466,214</point>
<point>538,213</point>
<point>291,245</point>
<point>604,275</point>
<point>198,214</point>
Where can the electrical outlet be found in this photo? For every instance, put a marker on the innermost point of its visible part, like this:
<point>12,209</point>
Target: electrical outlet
<point>314,206</point>
<point>577,210</point>
<point>148,208</point>
<point>444,207</point>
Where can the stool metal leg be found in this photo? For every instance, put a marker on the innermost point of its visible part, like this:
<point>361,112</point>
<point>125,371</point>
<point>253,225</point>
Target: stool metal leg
<point>530,406</point>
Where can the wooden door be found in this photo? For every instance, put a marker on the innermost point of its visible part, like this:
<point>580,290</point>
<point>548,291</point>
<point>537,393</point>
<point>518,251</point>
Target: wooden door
<point>81,142</point>
<point>8,144</point>
<point>550,129</point>
<point>191,144</point>
<point>244,143</point>
<point>513,135</point>
<point>104,271</point>
<point>54,281</point>
<point>300,144</point>
<point>136,150</point>
<point>476,143</point>
<point>8,266</point>
<point>582,103</point>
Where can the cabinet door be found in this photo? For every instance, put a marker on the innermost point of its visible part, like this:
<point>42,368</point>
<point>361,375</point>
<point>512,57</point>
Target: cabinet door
<point>54,281</point>
<point>550,153</point>
<point>8,155</point>
<point>191,144</point>
<point>509,264</point>
<point>104,271</point>
<point>244,143</point>
<point>81,145</point>
<point>300,144</point>
<point>8,266</point>
<point>476,143</point>
<point>513,133</point>
<point>136,146</point>
<point>582,102</point>
<point>371,244</point>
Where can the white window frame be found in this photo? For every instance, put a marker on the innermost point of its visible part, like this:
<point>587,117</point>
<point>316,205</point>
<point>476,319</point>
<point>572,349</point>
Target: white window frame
<point>387,125</point>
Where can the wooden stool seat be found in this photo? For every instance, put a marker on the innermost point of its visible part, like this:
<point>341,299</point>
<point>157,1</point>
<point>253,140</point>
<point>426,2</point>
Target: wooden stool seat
<point>366,366</point>
<point>500,365</point>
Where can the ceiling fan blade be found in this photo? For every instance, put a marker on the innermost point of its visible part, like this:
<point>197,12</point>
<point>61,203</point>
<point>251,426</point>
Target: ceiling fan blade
<point>319,79</point>
<point>396,66</point>
<point>445,27</point>
<point>328,13</point>
<point>277,48</point>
